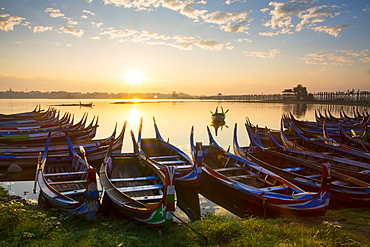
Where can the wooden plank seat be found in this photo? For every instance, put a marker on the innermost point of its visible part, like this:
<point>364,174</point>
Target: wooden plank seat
<point>171,162</point>
<point>141,188</point>
<point>293,169</point>
<point>148,198</point>
<point>64,173</point>
<point>275,188</point>
<point>68,182</point>
<point>165,157</point>
<point>246,176</point>
<point>184,167</point>
<point>73,192</point>
<point>230,169</point>
<point>314,176</point>
<point>132,179</point>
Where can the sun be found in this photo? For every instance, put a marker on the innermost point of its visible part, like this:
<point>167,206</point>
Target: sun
<point>134,77</point>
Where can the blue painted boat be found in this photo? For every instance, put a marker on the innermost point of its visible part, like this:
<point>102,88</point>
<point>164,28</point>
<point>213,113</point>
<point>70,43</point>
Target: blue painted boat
<point>68,182</point>
<point>245,188</point>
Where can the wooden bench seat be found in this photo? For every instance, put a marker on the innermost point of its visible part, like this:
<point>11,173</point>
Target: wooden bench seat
<point>148,198</point>
<point>68,182</point>
<point>132,179</point>
<point>141,188</point>
<point>293,169</point>
<point>314,176</point>
<point>171,162</point>
<point>230,169</point>
<point>165,157</point>
<point>275,188</point>
<point>73,192</point>
<point>64,173</point>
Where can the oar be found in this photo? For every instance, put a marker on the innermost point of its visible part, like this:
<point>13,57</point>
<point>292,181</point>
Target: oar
<point>37,169</point>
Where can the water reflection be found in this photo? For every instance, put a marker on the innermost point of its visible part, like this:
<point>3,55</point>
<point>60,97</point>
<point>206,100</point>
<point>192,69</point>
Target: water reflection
<point>218,119</point>
<point>134,117</point>
<point>299,110</point>
<point>217,124</point>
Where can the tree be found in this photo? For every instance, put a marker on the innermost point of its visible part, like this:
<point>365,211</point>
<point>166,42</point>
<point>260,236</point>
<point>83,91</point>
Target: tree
<point>300,91</point>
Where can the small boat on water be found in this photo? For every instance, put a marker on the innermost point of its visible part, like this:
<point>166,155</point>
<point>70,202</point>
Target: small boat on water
<point>68,182</point>
<point>219,116</point>
<point>90,104</point>
<point>245,188</point>
<point>138,189</point>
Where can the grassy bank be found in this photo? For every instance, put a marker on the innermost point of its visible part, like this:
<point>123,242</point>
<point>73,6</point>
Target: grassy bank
<point>22,224</point>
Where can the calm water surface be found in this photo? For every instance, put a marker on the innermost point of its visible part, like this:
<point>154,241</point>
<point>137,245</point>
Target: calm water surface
<point>174,119</point>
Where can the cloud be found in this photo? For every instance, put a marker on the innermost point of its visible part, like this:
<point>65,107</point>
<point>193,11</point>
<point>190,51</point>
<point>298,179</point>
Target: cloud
<point>114,34</point>
<point>329,60</point>
<point>265,54</point>
<point>88,12</point>
<point>332,30</point>
<point>96,24</point>
<point>228,2</point>
<point>284,16</point>
<point>54,13</point>
<point>151,38</point>
<point>7,22</point>
<point>71,30</point>
<point>71,22</point>
<point>268,33</point>
<point>41,29</point>
<point>228,22</point>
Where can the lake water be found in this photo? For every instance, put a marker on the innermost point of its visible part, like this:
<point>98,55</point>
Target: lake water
<point>174,119</point>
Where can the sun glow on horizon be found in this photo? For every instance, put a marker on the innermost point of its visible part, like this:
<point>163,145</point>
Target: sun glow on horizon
<point>134,77</point>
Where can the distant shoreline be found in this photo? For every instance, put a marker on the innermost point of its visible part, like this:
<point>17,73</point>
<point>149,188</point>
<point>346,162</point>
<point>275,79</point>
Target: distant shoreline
<point>321,102</point>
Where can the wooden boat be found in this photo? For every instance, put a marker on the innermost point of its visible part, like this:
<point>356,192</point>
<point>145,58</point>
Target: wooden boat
<point>80,133</point>
<point>37,112</point>
<point>346,140</point>
<point>245,188</point>
<point>306,173</point>
<point>219,116</point>
<point>64,123</point>
<point>95,151</point>
<point>138,189</point>
<point>68,182</point>
<point>318,145</point>
<point>48,117</point>
<point>163,154</point>
<point>87,104</point>
<point>56,145</point>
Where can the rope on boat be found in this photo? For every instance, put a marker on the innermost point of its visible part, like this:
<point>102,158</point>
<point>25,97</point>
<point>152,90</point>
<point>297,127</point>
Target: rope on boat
<point>60,223</point>
<point>203,237</point>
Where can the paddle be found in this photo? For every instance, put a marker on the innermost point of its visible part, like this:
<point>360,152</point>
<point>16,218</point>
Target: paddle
<point>37,169</point>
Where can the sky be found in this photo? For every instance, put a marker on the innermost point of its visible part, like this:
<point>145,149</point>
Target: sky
<point>198,47</point>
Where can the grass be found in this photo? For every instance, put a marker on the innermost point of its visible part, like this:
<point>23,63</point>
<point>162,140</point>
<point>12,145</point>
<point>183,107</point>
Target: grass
<point>22,224</point>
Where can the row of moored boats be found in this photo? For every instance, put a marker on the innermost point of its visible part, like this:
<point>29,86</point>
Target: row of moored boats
<point>293,171</point>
